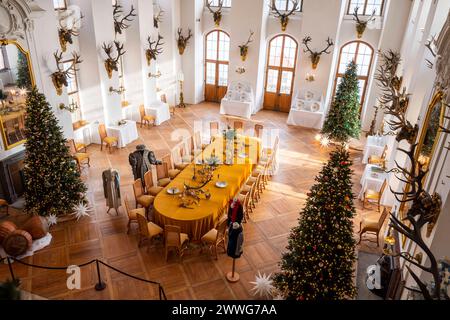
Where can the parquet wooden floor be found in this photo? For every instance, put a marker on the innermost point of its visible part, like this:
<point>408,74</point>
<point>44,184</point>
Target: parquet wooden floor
<point>198,276</point>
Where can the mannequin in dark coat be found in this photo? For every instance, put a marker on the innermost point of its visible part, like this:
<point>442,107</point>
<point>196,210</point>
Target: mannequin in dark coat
<point>235,211</point>
<point>235,240</point>
<point>141,161</point>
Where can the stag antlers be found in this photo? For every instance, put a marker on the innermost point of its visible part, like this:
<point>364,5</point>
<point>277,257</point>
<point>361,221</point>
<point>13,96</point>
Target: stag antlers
<point>59,77</point>
<point>284,17</point>
<point>360,24</point>
<point>111,63</point>
<point>65,34</point>
<point>157,19</point>
<point>120,25</point>
<point>154,49</point>
<point>315,55</point>
<point>182,41</point>
<point>244,47</point>
<point>217,15</point>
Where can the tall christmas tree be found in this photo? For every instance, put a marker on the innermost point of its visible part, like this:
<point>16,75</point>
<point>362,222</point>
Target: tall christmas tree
<point>321,251</point>
<point>23,72</point>
<point>52,181</point>
<point>343,122</point>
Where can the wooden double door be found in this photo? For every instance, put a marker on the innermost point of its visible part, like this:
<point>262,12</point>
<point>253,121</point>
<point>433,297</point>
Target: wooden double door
<point>217,55</point>
<point>280,73</point>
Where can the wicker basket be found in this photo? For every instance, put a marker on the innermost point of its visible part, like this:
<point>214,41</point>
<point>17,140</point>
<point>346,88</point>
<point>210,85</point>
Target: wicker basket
<point>6,227</point>
<point>36,226</point>
<point>17,243</point>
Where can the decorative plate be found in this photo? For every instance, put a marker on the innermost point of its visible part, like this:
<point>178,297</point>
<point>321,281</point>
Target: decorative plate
<point>221,184</point>
<point>173,191</point>
<point>315,107</point>
<point>309,95</point>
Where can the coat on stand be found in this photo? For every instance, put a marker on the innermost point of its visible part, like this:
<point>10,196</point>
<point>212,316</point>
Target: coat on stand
<point>235,240</point>
<point>111,189</point>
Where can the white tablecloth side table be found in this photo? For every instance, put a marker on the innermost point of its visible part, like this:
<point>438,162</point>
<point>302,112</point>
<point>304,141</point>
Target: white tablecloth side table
<point>304,118</point>
<point>374,147</point>
<point>372,180</point>
<point>236,108</point>
<point>160,110</point>
<point>126,133</point>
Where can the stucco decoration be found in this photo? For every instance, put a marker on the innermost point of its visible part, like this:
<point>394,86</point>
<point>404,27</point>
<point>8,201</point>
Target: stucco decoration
<point>16,18</point>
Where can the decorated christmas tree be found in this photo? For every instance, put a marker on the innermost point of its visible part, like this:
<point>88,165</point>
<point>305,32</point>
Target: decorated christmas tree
<point>52,181</point>
<point>343,122</point>
<point>23,72</point>
<point>321,251</point>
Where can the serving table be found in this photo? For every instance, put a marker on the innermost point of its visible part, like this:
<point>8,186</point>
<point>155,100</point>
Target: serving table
<point>374,147</point>
<point>125,133</point>
<point>202,217</point>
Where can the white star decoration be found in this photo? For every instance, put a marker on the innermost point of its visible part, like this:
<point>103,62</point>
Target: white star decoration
<point>81,210</point>
<point>263,285</point>
<point>52,219</point>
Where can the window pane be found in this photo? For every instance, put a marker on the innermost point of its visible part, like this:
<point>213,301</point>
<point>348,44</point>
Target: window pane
<point>290,48</point>
<point>211,46</point>
<point>366,7</point>
<point>224,46</point>
<point>272,80</point>
<point>374,5</point>
<point>2,60</point>
<point>286,82</point>
<point>356,4</point>
<point>59,4</point>
<point>361,86</point>
<point>348,54</point>
<point>284,5</point>
<point>363,59</point>
<point>225,3</point>
<point>275,51</point>
<point>223,74</point>
<point>210,73</point>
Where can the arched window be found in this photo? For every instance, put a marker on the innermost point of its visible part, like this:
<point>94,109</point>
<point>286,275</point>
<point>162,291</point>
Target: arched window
<point>287,5</point>
<point>366,7</point>
<point>362,54</point>
<point>216,65</point>
<point>215,3</point>
<point>281,62</point>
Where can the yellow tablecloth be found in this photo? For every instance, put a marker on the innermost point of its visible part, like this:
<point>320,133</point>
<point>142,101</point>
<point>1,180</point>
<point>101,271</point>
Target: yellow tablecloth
<point>199,220</point>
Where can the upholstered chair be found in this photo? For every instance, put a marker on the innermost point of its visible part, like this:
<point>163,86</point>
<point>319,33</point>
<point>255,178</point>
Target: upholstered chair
<point>79,157</point>
<point>150,188</point>
<point>374,195</point>
<point>174,239</point>
<point>372,222</point>
<point>132,214</point>
<point>146,119</point>
<point>162,174</point>
<point>215,237</point>
<point>147,230</point>
<point>141,198</point>
<point>105,139</point>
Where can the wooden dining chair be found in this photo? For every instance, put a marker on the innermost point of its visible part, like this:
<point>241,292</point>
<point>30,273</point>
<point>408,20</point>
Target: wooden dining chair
<point>213,130</point>
<point>178,158</point>
<point>171,108</point>
<point>140,197</point>
<point>132,213</point>
<point>147,230</point>
<point>372,222</point>
<point>105,139</point>
<point>146,119</point>
<point>162,174</point>
<point>79,157</point>
<point>172,172</point>
<point>215,237</point>
<point>380,160</point>
<point>259,130</point>
<point>174,239</point>
<point>238,125</point>
<point>373,195</point>
<point>150,188</point>
<point>199,146</point>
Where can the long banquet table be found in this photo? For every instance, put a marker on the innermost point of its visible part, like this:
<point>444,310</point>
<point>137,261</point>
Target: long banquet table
<point>201,218</point>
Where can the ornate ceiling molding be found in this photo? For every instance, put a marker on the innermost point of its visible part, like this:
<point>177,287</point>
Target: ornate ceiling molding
<point>16,18</point>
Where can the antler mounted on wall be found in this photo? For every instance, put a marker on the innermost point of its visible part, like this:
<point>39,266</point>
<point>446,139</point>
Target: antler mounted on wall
<point>425,208</point>
<point>361,25</point>
<point>120,20</point>
<point>217,14</point>
<point>244,47</point>
<point>315,55</point>
<point>154,49</point>
<point>284,17</point>
<point>157,19</point>
<point>65,33</point>
<point>112,63</point>
<point>59,77</point>
<point>183,41</point>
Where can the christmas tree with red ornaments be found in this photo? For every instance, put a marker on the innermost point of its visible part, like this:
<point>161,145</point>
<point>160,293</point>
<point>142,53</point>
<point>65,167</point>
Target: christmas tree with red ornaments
<point>320,257</point>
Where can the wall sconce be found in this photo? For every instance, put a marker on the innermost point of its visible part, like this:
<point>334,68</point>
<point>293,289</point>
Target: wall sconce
<point>240,70</point>
<point>310,77</point>
<point>118,91</point>
<point>156,75</point>
<point>72,107</point>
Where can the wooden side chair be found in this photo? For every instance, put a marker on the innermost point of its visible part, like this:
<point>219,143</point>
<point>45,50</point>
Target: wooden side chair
<point>171,108</point>
<point>215,237</point>
<point>141,198</point>
<point>147,230</point>
<point>146,119</point>
<point>162,174</point>
<point>132,213</point>
<point>238,126</point>
<point>178,159</point>
<point>150,188</point>
<point>4,204</point>
<point>79,157</point>
<point>372,222</point>
<point>109,141</point>
<point>199,146</point>
<point>258,130</point>
<point>374,159</point>
<point>80,147</point>
<point>373,195</point>
<point>171,172</point>
<point>186,150</point>
<point>174,239</point>
<point>213,130</point>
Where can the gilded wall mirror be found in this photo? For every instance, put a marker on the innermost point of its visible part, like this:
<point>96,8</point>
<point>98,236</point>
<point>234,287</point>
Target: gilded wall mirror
<point>16,78</point>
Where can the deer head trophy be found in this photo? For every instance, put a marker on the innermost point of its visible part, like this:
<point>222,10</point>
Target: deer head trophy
<point>315,55</point>
<point>154,49</point>
<point>284,17</point>
<point>182,41</point>
<point>65,33</point>
<point>59,77</point>
<point>120,23</point>
<point>217,15</point>
<point>157,19</point>
<point>244,47</point>
<point>112,63</point>
<point>361,25</point>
